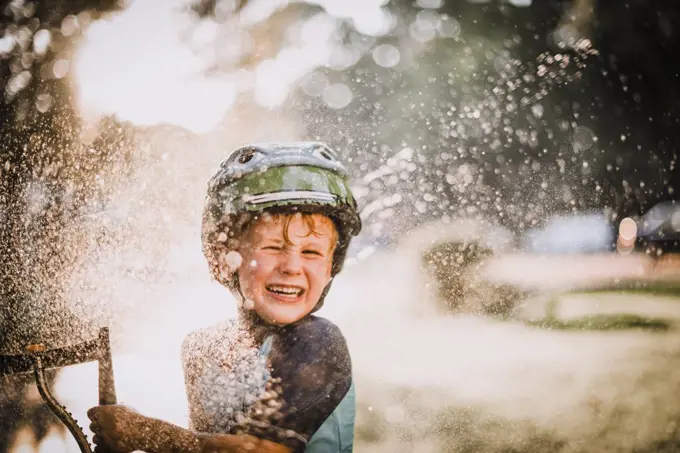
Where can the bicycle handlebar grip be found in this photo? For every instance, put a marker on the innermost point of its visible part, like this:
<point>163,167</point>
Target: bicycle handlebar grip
<point>107,386</point>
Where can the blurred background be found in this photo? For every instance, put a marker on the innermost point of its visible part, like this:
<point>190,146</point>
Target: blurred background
<point>516,286</point>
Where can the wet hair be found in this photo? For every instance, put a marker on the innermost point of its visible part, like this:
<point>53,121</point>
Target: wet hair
<point>233,232</point>
<point>287,217</point>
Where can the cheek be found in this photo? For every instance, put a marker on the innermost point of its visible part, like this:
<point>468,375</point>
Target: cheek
<point>257,268</point>
<point>320,273</point>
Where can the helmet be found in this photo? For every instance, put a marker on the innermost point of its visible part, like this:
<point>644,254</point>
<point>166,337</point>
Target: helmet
<point>294,177</point>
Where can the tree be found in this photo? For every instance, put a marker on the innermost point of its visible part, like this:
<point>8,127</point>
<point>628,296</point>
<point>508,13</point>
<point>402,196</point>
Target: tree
<point>45,177</point>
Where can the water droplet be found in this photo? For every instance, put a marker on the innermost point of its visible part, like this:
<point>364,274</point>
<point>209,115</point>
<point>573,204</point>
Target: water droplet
<point>448,27</point>
<point>423,29</point>
<point>386,55</point>
<point>43,102</point>
<point>18,82</point>
<point>337,96</point>
<point>41,41</point>
<point>60,68</point>
<point>69,25</point>
<point>537,110</point>
<point>583,138</point>
<point>7,44</point>
<point>314,84</point>
<point>234,259</point>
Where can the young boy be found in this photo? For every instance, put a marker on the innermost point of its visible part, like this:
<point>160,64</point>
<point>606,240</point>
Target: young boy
<point>276,226</point>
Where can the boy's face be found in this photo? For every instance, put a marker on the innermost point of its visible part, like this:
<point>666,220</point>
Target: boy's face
<point>287,264</point>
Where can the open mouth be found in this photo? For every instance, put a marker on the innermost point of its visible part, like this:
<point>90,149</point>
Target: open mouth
<point>285,291</point>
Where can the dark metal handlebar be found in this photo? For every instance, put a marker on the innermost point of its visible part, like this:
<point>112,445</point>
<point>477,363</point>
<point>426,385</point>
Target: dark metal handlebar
<point>37,359</point>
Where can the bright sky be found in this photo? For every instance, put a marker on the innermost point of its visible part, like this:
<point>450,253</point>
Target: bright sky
<point>136,65</point>
<point>148,64</point>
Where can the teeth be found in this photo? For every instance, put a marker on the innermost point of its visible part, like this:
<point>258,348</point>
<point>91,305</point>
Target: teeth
<point>284,290</point>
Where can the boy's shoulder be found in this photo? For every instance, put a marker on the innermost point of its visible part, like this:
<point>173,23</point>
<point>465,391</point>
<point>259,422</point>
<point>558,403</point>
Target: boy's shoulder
<point>318,329</point>
<point>315,338</point>
<point>204,339</point>
<point>314,366</point>
<point>311,333</point>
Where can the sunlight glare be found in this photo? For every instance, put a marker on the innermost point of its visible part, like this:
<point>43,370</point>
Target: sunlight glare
<point>136,65</point>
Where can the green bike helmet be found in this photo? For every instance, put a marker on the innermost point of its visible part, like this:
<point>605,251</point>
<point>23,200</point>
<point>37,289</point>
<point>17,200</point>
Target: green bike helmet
<point>295,177</point>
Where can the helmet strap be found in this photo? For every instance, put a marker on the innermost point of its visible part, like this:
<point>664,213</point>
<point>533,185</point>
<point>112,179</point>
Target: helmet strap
<point>236,289</point>
<point>320,302</point>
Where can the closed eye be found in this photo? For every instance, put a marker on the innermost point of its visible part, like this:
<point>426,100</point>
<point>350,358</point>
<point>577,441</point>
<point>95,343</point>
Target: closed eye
<point>312,252</point>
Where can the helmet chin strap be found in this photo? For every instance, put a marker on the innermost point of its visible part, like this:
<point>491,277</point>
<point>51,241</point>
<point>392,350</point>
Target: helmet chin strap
<point>236,290</point>
<point>320,302</point>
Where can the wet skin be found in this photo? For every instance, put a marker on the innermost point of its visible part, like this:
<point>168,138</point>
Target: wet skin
<point>285,272</point>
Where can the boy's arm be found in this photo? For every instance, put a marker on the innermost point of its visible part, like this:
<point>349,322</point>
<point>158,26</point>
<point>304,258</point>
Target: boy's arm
<point>174,439</point>
<point>120,429</point>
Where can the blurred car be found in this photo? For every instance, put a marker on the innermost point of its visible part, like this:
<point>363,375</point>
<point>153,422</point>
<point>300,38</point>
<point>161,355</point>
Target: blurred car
<point>658,230</point>
<point>575,234</point>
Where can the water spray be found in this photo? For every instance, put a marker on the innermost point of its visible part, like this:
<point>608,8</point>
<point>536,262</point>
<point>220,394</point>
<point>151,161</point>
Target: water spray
<point>38,358</point>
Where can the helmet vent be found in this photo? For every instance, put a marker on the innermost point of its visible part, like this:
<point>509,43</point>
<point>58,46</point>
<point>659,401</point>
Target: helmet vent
<point>325,154</point>
<point>246,156</point>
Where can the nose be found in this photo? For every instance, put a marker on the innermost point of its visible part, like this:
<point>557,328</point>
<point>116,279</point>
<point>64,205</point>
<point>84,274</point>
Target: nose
<point>291,263</point>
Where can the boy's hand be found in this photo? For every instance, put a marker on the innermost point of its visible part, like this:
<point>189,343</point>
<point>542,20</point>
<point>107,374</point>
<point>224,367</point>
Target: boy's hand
<point>117,428</point>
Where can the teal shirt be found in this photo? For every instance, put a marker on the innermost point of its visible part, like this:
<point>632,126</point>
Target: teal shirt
<point>336,435</point>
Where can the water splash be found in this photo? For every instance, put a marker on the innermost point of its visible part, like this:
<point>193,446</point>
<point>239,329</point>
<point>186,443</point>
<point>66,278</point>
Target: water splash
<point>456,382</point>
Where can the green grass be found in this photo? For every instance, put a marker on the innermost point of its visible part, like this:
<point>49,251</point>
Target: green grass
<point>664,288</point>
<point>603,323</point>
